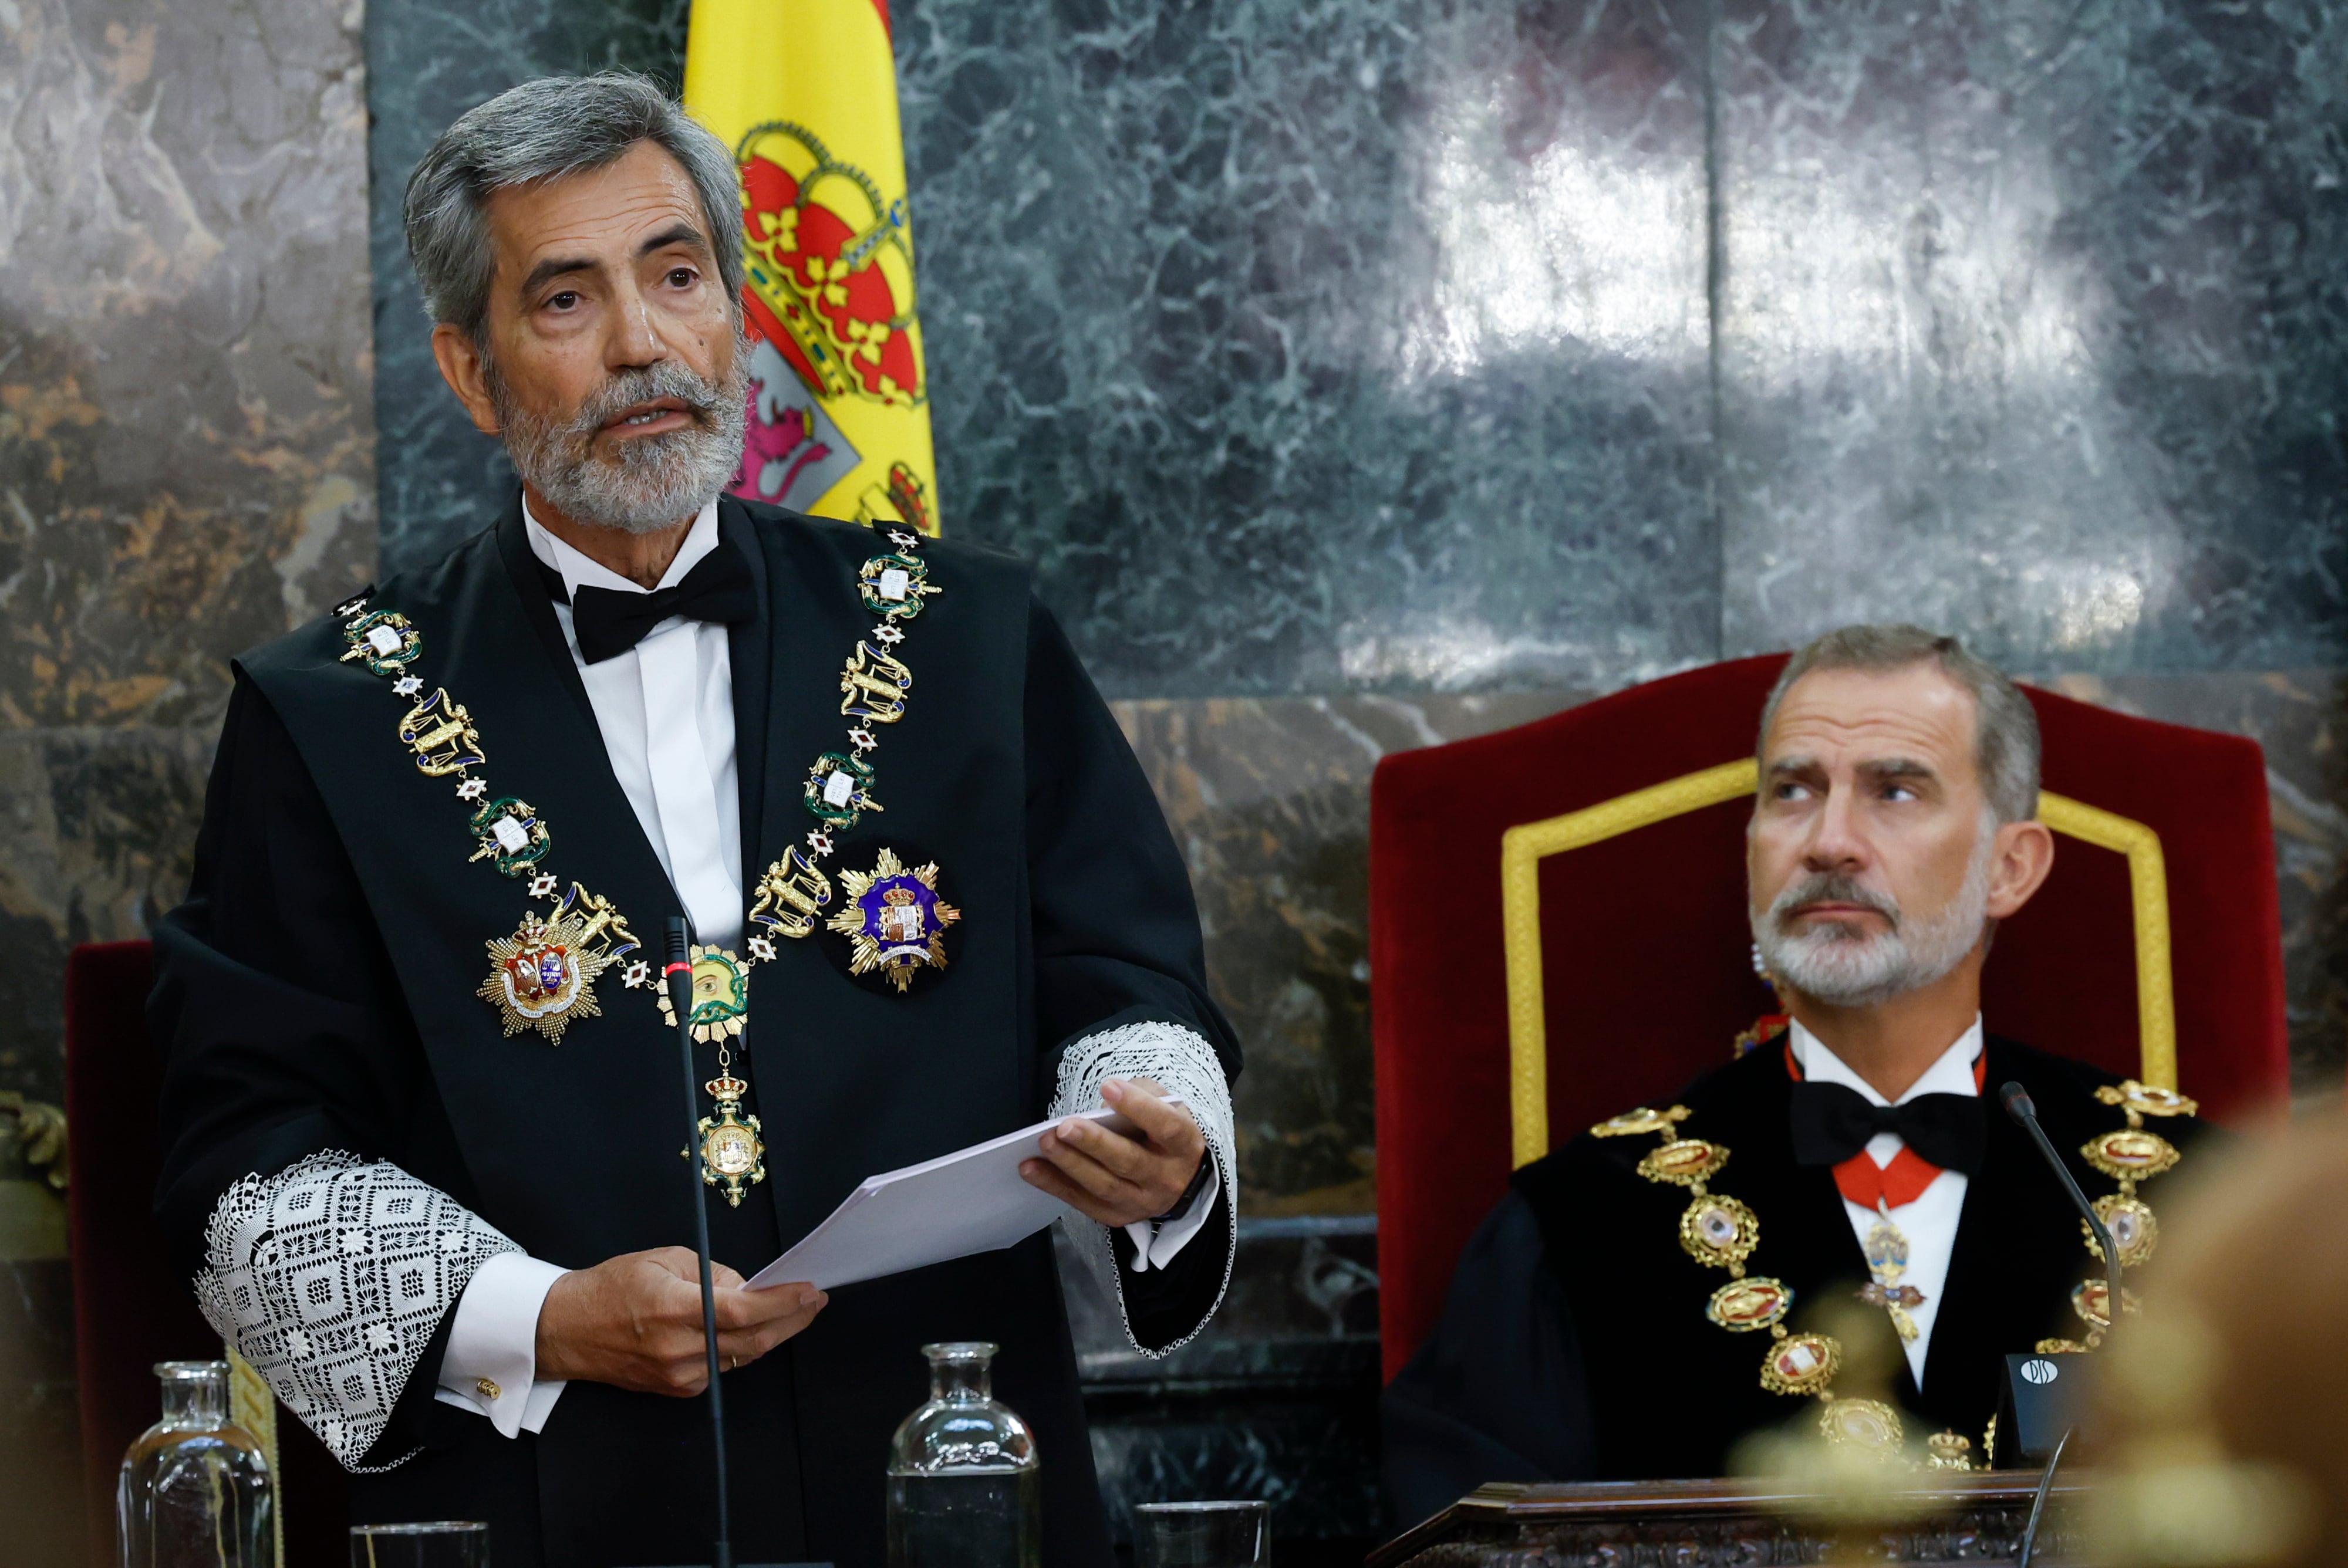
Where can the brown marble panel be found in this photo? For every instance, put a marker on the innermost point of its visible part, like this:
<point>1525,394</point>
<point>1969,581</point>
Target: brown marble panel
<point>185,468</point>
<point>186,440</point>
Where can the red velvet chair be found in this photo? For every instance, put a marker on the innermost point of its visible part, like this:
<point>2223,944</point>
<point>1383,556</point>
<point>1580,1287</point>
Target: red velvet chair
<point>130,1308</point>
<point>1632,971</point>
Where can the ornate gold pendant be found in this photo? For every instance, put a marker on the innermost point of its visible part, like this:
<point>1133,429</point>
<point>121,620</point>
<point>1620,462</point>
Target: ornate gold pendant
<point>1719,1230</point>
<point>1686,1162</point>
<point>732,1151</point>
<point>2134,1229</point>
<point>2129,1155</point>
<point>894,919</point>
<point>1801,1364</point>
<point>1743,1306</point>
<point>1868,1424</point>
<point>543,976</point>
<point>2143,1100</point>
<point>721,995</point>
<point>383,641</point>
<point>1642,1119</point>
<point>1886,1249</point>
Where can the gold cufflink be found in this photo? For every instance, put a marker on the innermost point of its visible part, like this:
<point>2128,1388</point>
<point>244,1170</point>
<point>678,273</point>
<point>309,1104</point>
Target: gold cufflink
<point>488,1390</point>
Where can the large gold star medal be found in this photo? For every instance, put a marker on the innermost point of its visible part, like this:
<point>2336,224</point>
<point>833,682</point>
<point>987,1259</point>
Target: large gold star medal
<point>894,921</point>
<point>543,976</point>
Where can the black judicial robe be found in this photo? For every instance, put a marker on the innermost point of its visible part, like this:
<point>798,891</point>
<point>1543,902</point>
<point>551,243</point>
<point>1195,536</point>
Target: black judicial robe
<point>1573,1345</point>
<point>316,992</point>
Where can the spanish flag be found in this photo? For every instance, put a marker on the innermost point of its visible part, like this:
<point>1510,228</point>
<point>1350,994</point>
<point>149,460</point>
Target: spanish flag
<point>805,92</point>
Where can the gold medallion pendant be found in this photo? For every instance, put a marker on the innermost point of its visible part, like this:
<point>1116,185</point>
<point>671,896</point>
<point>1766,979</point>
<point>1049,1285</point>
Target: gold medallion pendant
<point>1686,1162</point>
<point>1632,1123</point>
<point>1718,1230</point>
<point>543,976</point>
<point>894,921</point>
<point>721,995</point>
<point>1801,1364</point>
<point>732,1151</point>
<point>1743,1305</point>
<point>2135,1230</point>
<point>1866,1424</point>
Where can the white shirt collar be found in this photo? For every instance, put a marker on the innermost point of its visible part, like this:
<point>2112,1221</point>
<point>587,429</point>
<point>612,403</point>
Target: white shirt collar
<point>1952,1074</point>
<point>580,570</point>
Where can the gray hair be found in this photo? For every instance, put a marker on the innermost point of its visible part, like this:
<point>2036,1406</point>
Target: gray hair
<point>2005,727</point>
<point>545,129</point>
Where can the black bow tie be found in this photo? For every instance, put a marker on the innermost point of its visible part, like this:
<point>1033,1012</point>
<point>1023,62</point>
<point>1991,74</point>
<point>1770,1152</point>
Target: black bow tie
<point>1833,1121</point>
<point>609,622</point>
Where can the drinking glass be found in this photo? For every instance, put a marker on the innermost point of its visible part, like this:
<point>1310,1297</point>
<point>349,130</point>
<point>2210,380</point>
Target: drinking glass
<point>1202,1534</point>
<point>442,1543</point>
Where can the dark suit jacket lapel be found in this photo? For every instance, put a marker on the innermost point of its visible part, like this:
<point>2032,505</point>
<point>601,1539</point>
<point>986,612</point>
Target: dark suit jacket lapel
<point>750,645</point>
<point>810,622</point>
<point>521,568</point>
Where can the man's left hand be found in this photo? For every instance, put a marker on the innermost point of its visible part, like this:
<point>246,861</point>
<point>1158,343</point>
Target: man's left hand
<point>1115,1179</point>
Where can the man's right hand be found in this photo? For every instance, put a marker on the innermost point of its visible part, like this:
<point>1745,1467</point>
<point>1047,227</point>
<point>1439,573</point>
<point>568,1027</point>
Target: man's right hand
<point>636,1322</point>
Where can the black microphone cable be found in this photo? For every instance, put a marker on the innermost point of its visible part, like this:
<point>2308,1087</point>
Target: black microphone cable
<point>678,975</point>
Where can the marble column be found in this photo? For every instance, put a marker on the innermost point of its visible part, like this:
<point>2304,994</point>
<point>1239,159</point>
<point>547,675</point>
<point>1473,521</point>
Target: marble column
<point>185,468</point>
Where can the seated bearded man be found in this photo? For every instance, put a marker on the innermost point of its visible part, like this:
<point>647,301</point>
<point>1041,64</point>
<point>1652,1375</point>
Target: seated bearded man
<point>1603,1325</point>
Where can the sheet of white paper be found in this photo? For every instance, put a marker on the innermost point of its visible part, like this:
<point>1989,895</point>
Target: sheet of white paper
<point>970,1201</point>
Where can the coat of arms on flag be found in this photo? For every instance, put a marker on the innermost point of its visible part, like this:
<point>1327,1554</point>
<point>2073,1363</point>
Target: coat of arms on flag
<point>805,91</point>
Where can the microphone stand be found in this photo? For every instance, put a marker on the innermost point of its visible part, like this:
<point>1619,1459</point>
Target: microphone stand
<point>2017,1101</point>
<point>678,975</point>
<point>2038,1502</point>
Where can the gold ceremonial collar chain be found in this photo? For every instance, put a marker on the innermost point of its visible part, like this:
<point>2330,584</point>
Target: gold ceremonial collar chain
<point>1720,1232</point>
<point>543,976</point>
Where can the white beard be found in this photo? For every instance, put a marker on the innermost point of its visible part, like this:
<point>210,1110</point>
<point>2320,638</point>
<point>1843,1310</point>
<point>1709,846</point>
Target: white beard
<point>650,483</point>
<point>1843,967</point>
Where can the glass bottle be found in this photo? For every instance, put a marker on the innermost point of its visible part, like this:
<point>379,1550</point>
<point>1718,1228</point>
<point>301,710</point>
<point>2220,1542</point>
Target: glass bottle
<point>966,1487</point>
<point>195,1490</point>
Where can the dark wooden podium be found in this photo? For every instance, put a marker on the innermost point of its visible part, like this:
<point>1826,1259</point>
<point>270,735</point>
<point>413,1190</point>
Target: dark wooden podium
<point>1948,1518</point>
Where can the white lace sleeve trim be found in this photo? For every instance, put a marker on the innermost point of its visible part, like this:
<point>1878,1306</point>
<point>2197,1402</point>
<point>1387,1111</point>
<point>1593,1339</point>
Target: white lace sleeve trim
<point>330,1277</point>
<point>1186,1064</point>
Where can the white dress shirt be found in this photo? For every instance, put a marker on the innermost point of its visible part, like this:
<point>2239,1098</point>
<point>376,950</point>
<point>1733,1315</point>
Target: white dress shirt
<point>1930,1222</point>
<point>665,709</point>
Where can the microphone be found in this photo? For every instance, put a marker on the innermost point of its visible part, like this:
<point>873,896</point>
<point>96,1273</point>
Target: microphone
<point>678,975</point>
<point>2017,1101</point>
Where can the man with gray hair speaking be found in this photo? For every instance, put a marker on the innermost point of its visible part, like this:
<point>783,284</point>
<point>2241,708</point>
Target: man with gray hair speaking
<point>1640,1304</point>
<point>420,1111</point>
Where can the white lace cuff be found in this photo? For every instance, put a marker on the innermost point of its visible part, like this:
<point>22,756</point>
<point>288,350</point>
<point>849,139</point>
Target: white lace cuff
<point>330,1277</point>
<point>1186,1064</point>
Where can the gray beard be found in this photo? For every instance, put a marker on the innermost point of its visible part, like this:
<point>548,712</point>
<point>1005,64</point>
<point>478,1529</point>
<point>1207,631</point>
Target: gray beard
<point>1838,967</point>
<point>648,483</point>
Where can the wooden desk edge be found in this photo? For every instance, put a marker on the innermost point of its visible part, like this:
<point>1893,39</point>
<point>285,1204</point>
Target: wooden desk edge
<point>1522,1503</point>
